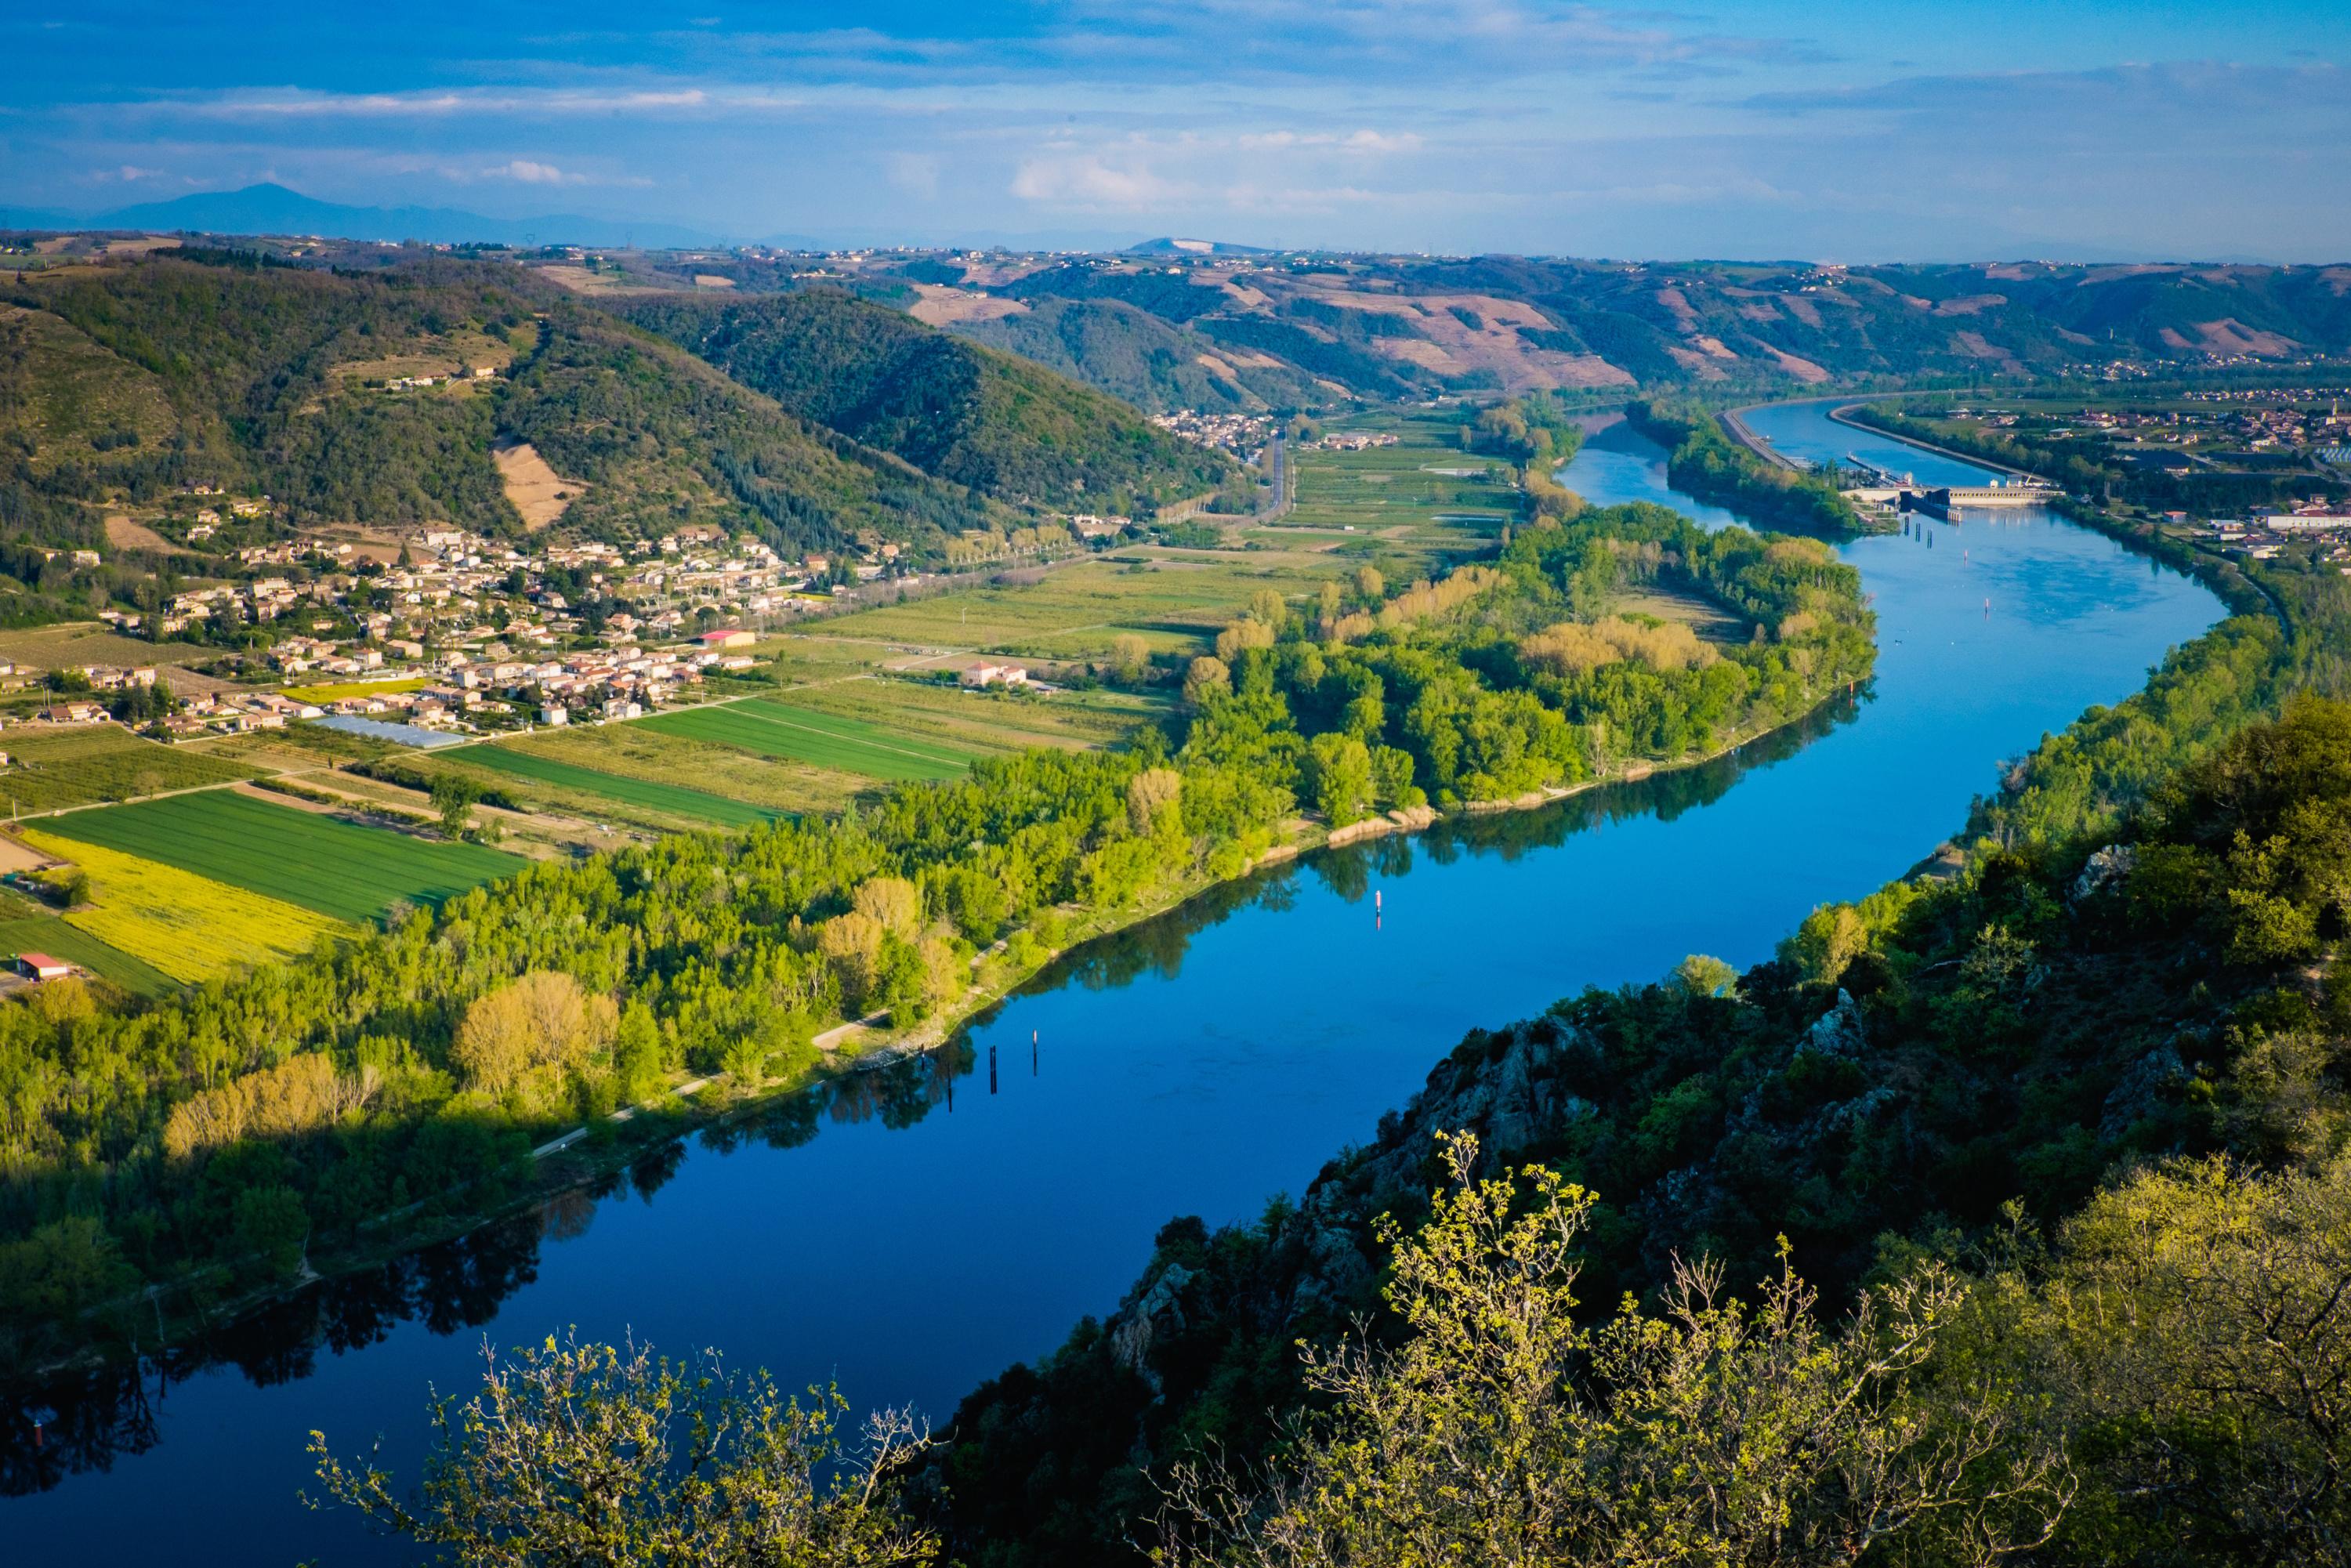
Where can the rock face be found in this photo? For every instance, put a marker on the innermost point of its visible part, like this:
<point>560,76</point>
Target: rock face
<point>2104,867</point>
<point>1157,1311</point>
<point>1839,1032</point>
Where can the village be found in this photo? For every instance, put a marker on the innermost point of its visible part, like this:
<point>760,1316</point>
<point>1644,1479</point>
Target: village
<point>458,634</point>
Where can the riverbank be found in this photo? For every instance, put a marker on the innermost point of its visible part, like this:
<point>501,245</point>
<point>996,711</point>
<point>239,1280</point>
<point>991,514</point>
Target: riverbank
<point>1768,493</point>
<point>1842,415</point>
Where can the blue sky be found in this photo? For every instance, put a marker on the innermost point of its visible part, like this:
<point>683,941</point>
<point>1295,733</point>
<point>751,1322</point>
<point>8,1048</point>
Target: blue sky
<point>1854,130</point>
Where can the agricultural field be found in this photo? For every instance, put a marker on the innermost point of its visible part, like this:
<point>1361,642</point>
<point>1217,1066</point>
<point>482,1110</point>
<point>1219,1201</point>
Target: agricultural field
<point>1424,491</point>
<point>1708,619</point>
<point>668,800</point>
<point>26,927</point>
<point>986,722</point>
<point>49,768</point>
<point>335,692</point>
<point>769,786</point>
<point>1176,601</point>
<point>773,728</point>
<point>297,748</point>
<point>187,925</point>
<point>336,868</point>
<point>74,643</point>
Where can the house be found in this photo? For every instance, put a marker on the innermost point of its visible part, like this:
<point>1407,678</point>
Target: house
<point>41,967</point>
<point>995,676</point>
<point>554,714</point>
<point>727,637</point>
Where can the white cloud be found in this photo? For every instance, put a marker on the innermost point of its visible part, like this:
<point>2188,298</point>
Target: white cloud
<point>532,173</point>
<point>1089,180</point>
<point>304,103</point>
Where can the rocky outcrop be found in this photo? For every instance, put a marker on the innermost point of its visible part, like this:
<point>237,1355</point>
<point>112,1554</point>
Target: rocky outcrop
<point>1156,1314</point>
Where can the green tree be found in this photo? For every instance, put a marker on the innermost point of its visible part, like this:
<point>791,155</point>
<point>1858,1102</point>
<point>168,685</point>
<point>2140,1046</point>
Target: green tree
<point>1339,771</point>
<point>454,797</point>
<point>596,1455</point>
<point>2193,1333</point>
<point>1502,1431</point>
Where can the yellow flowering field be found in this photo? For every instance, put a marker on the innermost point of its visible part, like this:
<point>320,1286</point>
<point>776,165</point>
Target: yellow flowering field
<point>191,927</point>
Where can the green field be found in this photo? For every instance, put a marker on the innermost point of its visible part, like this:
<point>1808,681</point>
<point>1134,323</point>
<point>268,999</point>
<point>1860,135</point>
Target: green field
<point>674,798</point>
<point>1403,495</point>
<point>50,769</point>
<point>985,722</point>
<point>43,933</point>
<point>334,867</point>
<point>774,728</point>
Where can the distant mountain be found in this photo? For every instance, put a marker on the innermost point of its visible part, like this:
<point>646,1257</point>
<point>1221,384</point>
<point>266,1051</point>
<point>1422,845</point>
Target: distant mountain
<point>1395,326</point>
<point>275,210</point>
<point>1171,247</point>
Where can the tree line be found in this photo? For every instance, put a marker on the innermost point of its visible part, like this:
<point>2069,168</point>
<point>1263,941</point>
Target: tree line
<point>1710,465</point>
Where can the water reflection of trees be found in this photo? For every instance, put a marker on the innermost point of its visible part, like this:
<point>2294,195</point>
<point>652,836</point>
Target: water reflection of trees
<point>87,1418</point>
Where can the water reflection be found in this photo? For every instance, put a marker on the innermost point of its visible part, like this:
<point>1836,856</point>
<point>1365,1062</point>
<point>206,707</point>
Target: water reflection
<point>86,1420</point>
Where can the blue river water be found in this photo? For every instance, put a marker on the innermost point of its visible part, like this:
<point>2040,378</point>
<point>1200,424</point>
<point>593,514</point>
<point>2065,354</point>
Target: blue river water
<point>913,1231</point>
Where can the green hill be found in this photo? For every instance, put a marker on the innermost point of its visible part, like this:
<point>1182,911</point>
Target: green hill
<point>661,438</point>
<point>999,424</point>
<point>127,384</point>
<point>1130,353</point>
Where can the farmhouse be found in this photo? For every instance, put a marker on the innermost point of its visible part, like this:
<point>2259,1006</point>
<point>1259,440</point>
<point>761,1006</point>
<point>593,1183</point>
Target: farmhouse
<point>995,676</point>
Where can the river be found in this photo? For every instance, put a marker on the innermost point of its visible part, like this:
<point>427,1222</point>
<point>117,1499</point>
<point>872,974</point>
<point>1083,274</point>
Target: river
<point>913,1231</point>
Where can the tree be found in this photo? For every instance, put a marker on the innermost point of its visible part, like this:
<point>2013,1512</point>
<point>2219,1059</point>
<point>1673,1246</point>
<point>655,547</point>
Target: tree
<point>540,1020</point>
<point>1502,1432</point>
<point>892,900</point>
<point>1154,797</point>
<point>454,797</point>
<point>1129,657</point>
<point>2194,1328</point>
<point>852,943</point>
<point>597,1456</point>
<point>1702,975</point>
<point>1206,678</point>
<point>1339,771</point>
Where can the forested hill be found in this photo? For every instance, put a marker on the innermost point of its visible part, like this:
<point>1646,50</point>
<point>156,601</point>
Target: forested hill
<point>1130,353</point>
<point>1002,425</point>
<point>661,438</point>
<point>377,399</point>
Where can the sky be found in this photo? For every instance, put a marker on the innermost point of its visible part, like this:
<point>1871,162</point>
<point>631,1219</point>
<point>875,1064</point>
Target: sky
<point>1829,130</point>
